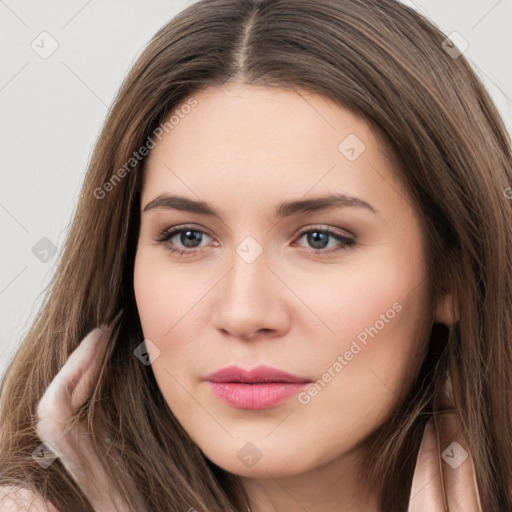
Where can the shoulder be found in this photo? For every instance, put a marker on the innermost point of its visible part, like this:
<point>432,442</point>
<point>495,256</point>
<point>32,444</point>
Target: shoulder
<point>16,499</point>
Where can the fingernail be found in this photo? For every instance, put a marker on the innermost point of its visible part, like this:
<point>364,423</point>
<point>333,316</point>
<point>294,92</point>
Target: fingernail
<point>104,332</point>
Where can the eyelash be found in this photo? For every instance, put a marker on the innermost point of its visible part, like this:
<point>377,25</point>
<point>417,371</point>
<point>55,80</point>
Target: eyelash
<point>167,234</point>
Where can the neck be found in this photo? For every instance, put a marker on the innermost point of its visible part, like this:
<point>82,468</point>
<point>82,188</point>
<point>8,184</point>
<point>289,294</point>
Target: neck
<point>334,487</point>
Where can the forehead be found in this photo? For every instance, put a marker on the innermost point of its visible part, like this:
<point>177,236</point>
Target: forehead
<point>257,117</point>
<point>251,140</point>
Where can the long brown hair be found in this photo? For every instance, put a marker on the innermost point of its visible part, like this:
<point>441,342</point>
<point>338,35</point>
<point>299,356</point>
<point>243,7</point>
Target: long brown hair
<point>387,64</point>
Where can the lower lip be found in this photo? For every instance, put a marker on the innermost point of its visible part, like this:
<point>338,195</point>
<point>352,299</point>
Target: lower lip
<point>255,396</point>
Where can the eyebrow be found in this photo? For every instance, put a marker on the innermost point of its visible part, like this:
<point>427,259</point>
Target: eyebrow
<point>284,209</point>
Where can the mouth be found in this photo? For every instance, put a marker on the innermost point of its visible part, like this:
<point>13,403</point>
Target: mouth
<point>263,387</point>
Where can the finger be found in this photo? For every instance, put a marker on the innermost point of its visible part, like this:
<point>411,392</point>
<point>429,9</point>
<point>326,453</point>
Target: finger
<point>82,390</point>
<point>426,491</point>
<point>57,402</point>
<point>457,467</point>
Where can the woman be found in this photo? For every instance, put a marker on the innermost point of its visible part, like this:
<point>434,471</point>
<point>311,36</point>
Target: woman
<point>296,226</point>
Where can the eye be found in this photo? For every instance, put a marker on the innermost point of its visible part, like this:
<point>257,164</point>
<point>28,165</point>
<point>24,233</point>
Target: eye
<point>189,237</point>
<point>318,238</point>
<point>188,240</point>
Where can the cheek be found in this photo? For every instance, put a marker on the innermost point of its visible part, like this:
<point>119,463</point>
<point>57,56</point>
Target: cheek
<point>165,293</point>
<point>165,298</point>
<point>367,367</point>
<point>169,302</point>
<point>373,303</point>
<point>368,361</point>
<point>361,378</point>
<point>156,301</point>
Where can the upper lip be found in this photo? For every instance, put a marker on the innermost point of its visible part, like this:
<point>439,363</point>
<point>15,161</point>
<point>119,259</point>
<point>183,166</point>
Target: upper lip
<point>260,374</point>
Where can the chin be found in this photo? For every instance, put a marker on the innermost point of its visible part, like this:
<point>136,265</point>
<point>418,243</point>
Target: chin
<point>250,462</point>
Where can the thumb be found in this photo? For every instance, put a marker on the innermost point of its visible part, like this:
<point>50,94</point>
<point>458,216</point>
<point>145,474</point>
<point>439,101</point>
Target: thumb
<point>458,476</point>
<point>94,346</point>
<point>457,466</point>
<point>427,486</point>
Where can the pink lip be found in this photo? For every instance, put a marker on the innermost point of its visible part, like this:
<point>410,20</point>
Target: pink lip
<point>262,387</point>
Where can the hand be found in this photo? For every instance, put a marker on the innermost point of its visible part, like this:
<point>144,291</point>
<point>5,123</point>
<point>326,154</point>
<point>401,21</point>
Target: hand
<point>441,484</point>
<point>67,392</point>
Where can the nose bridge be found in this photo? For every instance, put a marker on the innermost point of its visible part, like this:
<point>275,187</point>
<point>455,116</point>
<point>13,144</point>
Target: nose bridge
<point>248,300</point>
<point>248,281</point>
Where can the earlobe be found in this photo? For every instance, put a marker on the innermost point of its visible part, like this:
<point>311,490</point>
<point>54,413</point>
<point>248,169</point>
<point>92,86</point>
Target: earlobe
<point>446,312</point>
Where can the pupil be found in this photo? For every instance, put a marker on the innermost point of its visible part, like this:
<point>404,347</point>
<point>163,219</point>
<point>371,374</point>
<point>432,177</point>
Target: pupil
<point>313,238</point>
<point>190,236</point>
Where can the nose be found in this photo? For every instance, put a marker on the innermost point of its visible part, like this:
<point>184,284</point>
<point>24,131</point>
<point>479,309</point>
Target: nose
<point>251,301</point>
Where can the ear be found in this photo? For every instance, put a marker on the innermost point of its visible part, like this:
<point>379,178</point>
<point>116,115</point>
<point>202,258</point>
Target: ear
<point>445,311</point>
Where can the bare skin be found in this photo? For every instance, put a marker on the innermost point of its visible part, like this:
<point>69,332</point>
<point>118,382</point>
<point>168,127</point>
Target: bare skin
<point>244,150</point>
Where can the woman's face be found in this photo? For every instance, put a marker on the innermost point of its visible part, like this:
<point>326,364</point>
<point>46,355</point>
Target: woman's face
<point>335,296</point>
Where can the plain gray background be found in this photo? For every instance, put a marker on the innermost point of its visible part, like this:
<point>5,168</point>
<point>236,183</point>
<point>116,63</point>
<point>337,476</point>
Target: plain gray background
<point>52,108</point>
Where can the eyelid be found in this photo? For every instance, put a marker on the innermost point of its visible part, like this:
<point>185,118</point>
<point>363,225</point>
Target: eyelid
<point>166,234</point>
<point>349,239</point>
<point>320,227</point>
<point>331,229</point>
